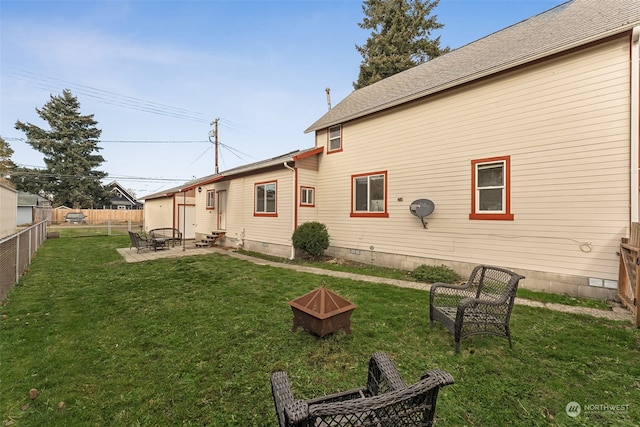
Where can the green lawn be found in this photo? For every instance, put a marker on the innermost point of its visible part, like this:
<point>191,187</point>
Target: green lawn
<point>193,340</point>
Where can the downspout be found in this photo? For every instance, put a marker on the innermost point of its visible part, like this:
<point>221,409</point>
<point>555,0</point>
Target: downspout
<point>294,219</point>
<point>184,221</point>
<point>635,127</point>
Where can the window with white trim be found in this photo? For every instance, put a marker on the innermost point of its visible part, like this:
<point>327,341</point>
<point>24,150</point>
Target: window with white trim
<point>369,194</point>
<point>491,192</point>
<point>265,198</point>
<point>307,196</point>
<point>335,138</point>
<point>211,199</point>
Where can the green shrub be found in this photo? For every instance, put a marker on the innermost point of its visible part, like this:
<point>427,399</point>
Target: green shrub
<point>433,274</point>
<point>312,237</point>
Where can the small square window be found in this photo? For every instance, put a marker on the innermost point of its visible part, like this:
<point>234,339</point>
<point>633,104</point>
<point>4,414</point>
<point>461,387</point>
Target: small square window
<point>307,196</point>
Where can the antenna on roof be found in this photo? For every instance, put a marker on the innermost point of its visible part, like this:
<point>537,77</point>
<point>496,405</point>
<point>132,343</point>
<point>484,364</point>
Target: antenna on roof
<point>328,90</point>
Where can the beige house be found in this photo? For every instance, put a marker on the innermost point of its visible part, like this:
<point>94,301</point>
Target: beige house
<point>525,141</point>
<point>171,208</point>
<point>524,144</point>
<point>258,206</point>
<point>255,206</point>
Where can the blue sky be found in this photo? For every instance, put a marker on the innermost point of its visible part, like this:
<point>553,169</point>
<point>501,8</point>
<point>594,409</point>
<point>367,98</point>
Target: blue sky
<point>156,73</point>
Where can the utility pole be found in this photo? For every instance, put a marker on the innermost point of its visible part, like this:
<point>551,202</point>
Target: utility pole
<point>216,142</point>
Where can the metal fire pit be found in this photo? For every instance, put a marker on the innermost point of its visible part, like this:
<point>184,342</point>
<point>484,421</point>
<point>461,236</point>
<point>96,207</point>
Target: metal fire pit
<point>322,312</point>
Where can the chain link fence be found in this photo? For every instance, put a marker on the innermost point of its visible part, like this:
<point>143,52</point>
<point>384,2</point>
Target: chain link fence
<point>16,252</point>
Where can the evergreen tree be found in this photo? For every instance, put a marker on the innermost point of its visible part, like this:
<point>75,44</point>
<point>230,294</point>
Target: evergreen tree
<point>6,165</point>
<point>70,149</point>
<point>399,39</point>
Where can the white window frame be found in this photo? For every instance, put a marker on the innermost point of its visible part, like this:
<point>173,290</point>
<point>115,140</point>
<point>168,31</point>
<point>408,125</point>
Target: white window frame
<point>266,205</point>
<point>307,196</point>
<point>374,207</point>
<point>479,210</point>
<point>211,199</point>
<point>334,135</point>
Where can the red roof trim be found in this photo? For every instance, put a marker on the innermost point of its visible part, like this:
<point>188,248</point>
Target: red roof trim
<point>308,154</point>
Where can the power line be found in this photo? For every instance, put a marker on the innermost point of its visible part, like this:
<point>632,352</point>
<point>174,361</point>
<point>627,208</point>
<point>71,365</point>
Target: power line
<point>121,141</point>
<point>45,174</point>
<point>107,97</point>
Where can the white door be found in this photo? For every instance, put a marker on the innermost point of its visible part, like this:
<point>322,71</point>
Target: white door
<point>186,221</point>
<point>222,210</point>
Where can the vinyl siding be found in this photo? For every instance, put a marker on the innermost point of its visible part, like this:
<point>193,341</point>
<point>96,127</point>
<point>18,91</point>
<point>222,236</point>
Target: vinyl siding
<point>565,125</point>
<point>207,219</point>
<point>308,177</point>
<point>158,213</point>
<point>242,224</point>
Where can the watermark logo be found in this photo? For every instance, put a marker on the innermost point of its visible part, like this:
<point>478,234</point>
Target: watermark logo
<point>573,409</point>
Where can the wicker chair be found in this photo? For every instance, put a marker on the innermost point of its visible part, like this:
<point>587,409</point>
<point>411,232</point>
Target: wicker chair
<point>482,306</point>
<point>138,241</point>
<point>385,401</point>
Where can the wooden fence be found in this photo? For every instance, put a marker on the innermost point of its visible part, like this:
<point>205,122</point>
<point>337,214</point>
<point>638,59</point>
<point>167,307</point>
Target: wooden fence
<point>101,216</point>
<point>629,275</point>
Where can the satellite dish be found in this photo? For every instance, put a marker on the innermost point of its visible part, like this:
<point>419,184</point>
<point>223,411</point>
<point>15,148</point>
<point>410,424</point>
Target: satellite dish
<point>422,208</point>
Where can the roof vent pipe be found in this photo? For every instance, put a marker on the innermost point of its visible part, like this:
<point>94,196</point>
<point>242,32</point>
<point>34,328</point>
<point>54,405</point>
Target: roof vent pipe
<point>328,90</point>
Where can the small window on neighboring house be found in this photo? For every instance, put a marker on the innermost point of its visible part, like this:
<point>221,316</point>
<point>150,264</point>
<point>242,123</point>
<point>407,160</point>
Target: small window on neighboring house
<point>265,199</point>
<point>369,195</point>
<point>306,196</point>
<point>335,138</point>
<point>211,199</point>
<point>491,189</point>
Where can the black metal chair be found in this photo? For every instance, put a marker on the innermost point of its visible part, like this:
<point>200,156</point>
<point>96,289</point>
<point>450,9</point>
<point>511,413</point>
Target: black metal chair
<point>386,400</point>
<point>481,306</point>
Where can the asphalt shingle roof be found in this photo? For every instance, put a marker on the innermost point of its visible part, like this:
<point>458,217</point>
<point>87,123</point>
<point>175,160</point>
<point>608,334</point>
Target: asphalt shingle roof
<point>229,173</point>
<point>564,27</point>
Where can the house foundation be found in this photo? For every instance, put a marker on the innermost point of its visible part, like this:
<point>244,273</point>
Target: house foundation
<point>556,283</point>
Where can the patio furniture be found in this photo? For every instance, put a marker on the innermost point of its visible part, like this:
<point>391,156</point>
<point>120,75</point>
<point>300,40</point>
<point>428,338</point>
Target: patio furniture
<point>166,236</point>
<point>386,400</point>
<point>138,241</point>
<point>481,306</point>
<point>159,243</point>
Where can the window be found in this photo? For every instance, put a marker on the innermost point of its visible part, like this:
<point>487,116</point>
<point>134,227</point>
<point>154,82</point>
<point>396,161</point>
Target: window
<point>335,138</point>
<point>265,199</point>
<point>369,195</point>
<point>306,196</point>
<point>491,189</point>
<point>211,199</point>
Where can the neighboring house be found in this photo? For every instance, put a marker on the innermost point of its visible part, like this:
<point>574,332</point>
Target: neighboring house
<point>525,141</point>
<point>8,209</point>
<point>121,198</point>
<point>32,208</point>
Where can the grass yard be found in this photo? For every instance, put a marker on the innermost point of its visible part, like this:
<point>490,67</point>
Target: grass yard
<point>193,341</point>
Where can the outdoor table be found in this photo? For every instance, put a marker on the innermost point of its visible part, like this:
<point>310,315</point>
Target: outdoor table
<point>159,243</point>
